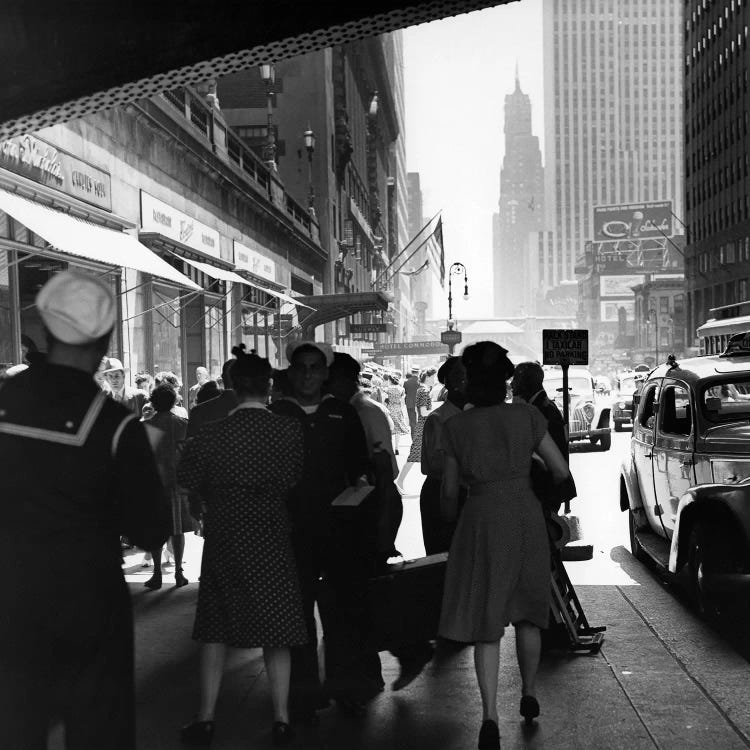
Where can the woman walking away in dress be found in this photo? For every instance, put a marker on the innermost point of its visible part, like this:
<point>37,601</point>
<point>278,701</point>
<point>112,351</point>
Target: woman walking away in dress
<point>498,566</point>
<point>166,433</point>
<point>394,400</point>
<point>242,467</point>
<point>424,405</point>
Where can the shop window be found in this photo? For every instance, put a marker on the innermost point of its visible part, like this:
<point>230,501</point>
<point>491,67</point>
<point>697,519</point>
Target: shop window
<point>135,321</point>
<point>6,320</point>
<point>215,337</point>
<point>166,329</point>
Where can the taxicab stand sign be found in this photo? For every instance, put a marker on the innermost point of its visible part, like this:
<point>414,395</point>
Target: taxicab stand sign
<point>565,346</point>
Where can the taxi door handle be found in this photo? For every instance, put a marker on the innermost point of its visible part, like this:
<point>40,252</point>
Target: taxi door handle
<point>687,462</point>
<point>648,455</point>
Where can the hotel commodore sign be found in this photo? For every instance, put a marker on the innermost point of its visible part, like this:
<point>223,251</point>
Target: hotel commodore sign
<point>158,217</point>
<point>48,165</point>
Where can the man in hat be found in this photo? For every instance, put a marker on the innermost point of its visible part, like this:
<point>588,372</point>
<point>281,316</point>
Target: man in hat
<point>326,539</point>
<point>130,398</point>
<point>411,385</point>
<point>78,471</point>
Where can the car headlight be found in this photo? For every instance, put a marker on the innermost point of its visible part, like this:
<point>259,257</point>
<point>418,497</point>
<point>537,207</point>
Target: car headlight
<point>588,410</point>
<point>729,472</point>
<point>620,404</point>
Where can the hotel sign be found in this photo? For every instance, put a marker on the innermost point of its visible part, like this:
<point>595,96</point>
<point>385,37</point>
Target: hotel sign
<point>157,216</point>
<point>249,259</point>
<point>48,165</point>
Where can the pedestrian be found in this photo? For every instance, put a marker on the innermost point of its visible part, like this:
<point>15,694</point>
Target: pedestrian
<point>336,458</point>
<point>167,376</point>
<point>201,377</point>
<point>394,400</point>
<point>423,405</point>
<point>210,389</point>
<point>143,382</point>
<point>215,408</point>
<point>166,433</point>
<point>243,467</point>
<point>411,385</point>
<point>527,386</point>
<point>77,472</point>
<point>436,532</point>
<point>131,398</point>
<point>499,566</point>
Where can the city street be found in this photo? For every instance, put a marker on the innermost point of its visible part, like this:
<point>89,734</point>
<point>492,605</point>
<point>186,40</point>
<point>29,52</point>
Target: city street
<point>663,678</point>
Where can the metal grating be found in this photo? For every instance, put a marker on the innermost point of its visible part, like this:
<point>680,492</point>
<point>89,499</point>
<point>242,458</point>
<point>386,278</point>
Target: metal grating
<point>240,60</point>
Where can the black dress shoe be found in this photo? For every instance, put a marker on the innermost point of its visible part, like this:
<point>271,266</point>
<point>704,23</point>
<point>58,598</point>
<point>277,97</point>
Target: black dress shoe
<point>197,733</point>
<point>529,708</point>
<point>352,707</point>
<point>281,733</point>
<point>489,736</point>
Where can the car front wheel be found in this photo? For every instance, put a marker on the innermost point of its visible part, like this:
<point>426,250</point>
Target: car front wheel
<point>635,546</point>
<point>703,558</point>
<point>606,441</point>
<point>618,426</point>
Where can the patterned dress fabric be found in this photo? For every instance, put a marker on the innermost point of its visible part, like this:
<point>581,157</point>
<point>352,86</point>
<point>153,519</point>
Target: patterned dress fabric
<point>498,565</point>
<point>243,467</point>
<point>423,401</point>
<point>395,405</point>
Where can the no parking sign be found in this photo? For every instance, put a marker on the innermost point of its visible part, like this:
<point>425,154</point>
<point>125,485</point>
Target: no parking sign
<point>565,346</point>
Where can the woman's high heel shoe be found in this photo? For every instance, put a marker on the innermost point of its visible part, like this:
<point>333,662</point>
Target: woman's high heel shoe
<point>489,736</point>
<point>197,733</point>
<point>529,708</point>
<point>281,734</point>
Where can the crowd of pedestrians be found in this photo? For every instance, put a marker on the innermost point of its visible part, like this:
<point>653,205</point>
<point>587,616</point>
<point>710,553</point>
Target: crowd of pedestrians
<point>291,476</point>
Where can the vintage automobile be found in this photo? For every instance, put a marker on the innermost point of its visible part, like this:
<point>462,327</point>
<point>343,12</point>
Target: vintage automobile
<point>588,417</point>
<point>622,405</point>
<point>686,483</point>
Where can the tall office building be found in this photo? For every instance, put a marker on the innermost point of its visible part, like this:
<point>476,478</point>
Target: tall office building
<point>521,210</point>
<point>613,103</point>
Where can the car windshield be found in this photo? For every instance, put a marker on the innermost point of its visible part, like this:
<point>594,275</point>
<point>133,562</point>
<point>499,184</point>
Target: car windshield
<point>627,386</point>
<point>727,401</point>
<point>576,384</point>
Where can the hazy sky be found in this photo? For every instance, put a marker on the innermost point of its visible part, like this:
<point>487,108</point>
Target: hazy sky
<point>457,72</point>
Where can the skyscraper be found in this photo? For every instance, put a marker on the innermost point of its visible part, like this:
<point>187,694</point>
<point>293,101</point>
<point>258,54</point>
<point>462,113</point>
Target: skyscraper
<point>613,98</point>
<point>521,209</point>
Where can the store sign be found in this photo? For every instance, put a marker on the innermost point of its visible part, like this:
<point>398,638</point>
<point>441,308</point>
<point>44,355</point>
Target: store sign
<point>368,327</point>
<point>618,286</point>
<point>157,216</point>
<point>42,162</point>
<point>633,221</point>
<point>610,311</point>
<point>249,259</point>
<point>397,348</point>
<point>565,346</point>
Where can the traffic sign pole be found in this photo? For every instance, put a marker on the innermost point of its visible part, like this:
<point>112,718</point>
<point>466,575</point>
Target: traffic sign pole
<point>566,398</point>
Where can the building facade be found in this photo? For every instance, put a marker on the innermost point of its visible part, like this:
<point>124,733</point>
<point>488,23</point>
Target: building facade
<point>613,93</point>
<point>717,168</point>
<point>520,211</point>
<point>196,239</point>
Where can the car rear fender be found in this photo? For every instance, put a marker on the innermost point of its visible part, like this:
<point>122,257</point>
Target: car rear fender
<point>630,493</point>
<point>603,422</point>
<point>723,508</point>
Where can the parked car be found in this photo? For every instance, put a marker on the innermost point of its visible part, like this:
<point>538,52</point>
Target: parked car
<point>622,406</point>
<point>588,417</point>
<point>686,483</point>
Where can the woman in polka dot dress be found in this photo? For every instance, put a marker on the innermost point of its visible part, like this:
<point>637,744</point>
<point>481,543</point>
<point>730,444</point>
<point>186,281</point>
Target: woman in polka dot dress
<point>242,467</point>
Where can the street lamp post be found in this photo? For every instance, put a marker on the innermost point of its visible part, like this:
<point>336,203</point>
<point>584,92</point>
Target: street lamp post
<point>455,270</point>
<point>655,315</point>
<point>310,146</point>
<point>268,76</point>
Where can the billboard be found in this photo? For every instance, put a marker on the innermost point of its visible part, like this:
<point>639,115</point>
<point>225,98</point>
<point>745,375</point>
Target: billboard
<point>633,221</point>
<point>610,310</point>
<point>619,286</point>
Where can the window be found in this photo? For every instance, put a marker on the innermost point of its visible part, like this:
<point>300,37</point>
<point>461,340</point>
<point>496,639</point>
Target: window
<point>646,409</point>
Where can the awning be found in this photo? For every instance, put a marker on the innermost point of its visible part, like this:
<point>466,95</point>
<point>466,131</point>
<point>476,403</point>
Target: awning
<point>75,236</point>
<point>724,326</point>
<point>214,272</point>
<point>279,295</point>
<point>330,307</point>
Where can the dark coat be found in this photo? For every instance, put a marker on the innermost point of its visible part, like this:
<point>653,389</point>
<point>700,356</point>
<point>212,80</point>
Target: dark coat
<point>211,411</point>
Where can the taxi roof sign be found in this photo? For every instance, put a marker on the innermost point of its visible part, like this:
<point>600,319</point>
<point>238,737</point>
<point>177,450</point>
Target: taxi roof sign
<point>565,346</point>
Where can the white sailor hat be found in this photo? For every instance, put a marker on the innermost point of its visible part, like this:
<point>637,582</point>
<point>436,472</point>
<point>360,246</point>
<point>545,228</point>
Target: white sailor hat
<point>76,308</point>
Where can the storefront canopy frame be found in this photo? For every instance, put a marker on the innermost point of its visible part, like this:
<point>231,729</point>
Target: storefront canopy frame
<point>77,237</point>
<point>213,271</point>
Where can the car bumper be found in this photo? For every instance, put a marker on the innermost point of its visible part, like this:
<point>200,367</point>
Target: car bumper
<point>622,415</point>
<point>586,434</point>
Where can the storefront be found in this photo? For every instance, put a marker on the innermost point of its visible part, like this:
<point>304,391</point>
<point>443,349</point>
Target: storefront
<point>55,214</point>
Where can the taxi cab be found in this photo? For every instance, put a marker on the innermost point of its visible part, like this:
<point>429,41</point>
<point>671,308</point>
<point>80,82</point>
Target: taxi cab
<point>686,482</point>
